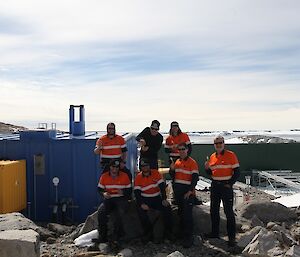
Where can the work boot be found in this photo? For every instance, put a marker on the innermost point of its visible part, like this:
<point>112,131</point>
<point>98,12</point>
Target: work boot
<point>114,246</point>
<point>231,243</point>
<point>212,236</point>
<point>147,237</point>
<point>170,236</point>
<point>100,239</point>
<point>187,242</point>
<point>93,248</point>
<point>197,201</point>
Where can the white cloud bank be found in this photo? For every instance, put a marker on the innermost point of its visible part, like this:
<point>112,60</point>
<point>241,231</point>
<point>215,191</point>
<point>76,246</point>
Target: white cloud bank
<point>208,64</point>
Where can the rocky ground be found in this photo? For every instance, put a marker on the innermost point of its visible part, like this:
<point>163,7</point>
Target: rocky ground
<point>264,229</point>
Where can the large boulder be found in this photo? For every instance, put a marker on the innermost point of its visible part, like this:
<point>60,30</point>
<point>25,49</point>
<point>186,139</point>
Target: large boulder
<point>265,243</point>
<point>21,243</point>
<point>133,229</point>
<point>266,212</point>
<point>15,220</point>
<point>131,223</point>
<point>202,220</point>
<point>247,237</point>
<point>294,251</point>
<point>90,224</point>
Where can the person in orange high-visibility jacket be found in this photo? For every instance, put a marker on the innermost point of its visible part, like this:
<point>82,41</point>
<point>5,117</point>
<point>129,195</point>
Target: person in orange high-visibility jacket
<point>115,188</point>
<point>176,137</point>
<point>223,167</point>
<point>150,193</point>
<point>185,175</point>
<point>111,147</point>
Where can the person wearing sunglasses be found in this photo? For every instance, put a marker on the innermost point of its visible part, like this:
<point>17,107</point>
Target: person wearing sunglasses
<point>115,189</point>
<point>223,167</point>
<point>185,175</point>
<point>150,141</point>
<point>110,147</point>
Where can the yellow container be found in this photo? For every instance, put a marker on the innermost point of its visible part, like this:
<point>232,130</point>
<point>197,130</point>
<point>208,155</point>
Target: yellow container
<point>12,186</point>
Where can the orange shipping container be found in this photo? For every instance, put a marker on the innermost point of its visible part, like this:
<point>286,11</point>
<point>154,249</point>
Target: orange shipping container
<point>12,186</point>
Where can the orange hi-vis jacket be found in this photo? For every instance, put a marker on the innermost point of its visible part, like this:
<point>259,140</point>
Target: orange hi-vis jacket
<point>112,148</point>
<point>149,186</point>
<point>175,141</point>
<point>222,165</point>
<point>184,170</point>
<point>114,185</point>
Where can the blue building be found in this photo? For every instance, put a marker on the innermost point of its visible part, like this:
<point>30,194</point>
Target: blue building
<point>66,156</point>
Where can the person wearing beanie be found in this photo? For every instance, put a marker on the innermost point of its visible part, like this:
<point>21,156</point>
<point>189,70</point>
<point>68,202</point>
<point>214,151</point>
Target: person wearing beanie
<point>150,141</point>
<point>110,147</point>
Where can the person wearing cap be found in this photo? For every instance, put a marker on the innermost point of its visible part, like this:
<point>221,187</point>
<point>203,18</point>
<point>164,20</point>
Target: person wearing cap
<point>223,167</point>
<point>185,174</point>
<point>176,137</point>
<point>111,147</point>
<point>150,141</point>
<point>150,193</point>
<point>115,189</point>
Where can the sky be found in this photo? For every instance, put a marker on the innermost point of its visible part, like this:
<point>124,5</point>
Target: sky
<point>210,65</point>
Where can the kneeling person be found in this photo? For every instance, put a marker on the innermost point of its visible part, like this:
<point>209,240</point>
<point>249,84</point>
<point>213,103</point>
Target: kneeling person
<point>150,193</point>
<point>115,188</point>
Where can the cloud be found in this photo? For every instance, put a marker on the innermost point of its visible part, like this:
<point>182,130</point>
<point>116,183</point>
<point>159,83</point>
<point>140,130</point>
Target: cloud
<point>209,64</point>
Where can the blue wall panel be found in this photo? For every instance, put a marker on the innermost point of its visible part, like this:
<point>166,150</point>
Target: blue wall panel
<point>73,162</point>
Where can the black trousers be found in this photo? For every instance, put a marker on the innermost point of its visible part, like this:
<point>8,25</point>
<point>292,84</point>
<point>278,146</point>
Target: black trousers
<point>119,206</point>
<point>220,192</point>
<point>185,212</point>
<point>155,203</point>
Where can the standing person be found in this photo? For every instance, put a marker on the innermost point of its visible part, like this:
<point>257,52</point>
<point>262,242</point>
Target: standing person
<point>150,193</point>
<point>110,147</point>
<point>185,174</point>
<point>150,141</point>
<point>176,137</point>
<point>223,166</point>
<point>115,188</point>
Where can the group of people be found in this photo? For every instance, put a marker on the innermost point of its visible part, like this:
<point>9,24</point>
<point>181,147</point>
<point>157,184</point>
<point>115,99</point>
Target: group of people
<point>149,187</point>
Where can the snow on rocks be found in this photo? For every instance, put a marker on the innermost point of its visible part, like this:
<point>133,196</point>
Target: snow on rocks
<point>85,240</point>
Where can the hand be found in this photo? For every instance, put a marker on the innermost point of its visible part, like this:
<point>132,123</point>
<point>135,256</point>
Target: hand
<point>145,148</point>
<point>174,147</point>
<point>207,166</point>
<point>172,165</point>
<point>100,145</point>
<point>106,195</point>
<point>142,142</point>
<point>145,207</point>
<point>188,194</point>
<point>165,203</point>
